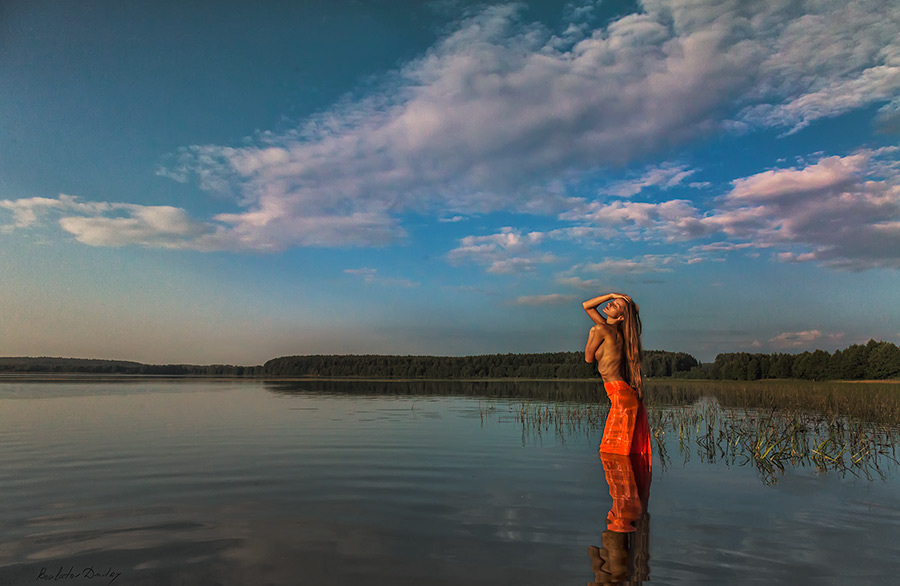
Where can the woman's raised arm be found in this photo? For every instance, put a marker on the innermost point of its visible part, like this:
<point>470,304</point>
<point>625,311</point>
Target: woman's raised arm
<point>591,305</point>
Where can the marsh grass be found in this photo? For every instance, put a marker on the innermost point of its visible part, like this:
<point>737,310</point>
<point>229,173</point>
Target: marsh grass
<point>849,429</point>
<point>874,402</point>
<point>772,440</point>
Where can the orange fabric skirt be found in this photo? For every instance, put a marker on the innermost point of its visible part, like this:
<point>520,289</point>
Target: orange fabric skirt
<point>627,430</point>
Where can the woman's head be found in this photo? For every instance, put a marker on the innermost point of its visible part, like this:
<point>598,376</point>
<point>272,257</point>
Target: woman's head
<point>615,309</point>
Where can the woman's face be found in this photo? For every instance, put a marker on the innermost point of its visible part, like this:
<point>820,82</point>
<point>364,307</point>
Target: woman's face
<point>615,308</point>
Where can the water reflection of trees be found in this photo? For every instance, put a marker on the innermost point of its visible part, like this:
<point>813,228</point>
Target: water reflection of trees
<point>575,391</point>
<point>875,402</point>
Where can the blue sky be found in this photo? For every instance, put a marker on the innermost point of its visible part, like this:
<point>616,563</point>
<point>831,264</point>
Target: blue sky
<point>225,182</point>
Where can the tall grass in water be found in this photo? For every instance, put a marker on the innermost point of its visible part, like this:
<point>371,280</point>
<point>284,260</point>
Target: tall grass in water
<point>851,429</point>
<point>539,417</point>
<point>874,402</point>
<point>771,440</point>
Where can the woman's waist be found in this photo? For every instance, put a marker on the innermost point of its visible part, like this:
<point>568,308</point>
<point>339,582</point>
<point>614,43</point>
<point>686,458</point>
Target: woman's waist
<point>616,385</point>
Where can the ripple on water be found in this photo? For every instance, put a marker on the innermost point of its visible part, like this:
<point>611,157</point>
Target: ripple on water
<point>237,485</point>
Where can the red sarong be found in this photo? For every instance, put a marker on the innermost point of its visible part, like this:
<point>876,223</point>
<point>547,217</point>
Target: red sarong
<point>627,430</point>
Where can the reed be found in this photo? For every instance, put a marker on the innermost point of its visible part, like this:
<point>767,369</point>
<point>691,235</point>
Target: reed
<point>875,402</point>
<point>769,439</point>
<point>772,440</point>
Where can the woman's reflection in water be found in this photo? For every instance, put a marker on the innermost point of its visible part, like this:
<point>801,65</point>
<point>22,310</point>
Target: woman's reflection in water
<point>625,553</point>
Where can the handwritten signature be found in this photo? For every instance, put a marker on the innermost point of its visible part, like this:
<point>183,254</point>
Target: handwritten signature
<point>70,574</point>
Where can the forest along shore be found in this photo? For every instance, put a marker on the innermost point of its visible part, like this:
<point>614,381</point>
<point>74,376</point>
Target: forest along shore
<point>876,361</point>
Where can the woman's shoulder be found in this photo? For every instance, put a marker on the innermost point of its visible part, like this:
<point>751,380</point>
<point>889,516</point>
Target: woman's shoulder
<point>606,329</point>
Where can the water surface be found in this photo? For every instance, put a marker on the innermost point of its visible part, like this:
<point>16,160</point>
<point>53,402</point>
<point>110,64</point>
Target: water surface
<point>202,482</point>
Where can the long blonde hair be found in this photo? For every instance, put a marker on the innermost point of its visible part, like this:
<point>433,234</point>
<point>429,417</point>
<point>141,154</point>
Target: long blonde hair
<point>631,337</point>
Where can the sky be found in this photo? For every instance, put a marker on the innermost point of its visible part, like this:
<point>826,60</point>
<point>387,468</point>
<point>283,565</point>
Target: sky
<point>227,182</point>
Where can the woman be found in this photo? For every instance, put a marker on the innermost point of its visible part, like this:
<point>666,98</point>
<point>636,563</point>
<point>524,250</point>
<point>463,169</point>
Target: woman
<point>615,344</point>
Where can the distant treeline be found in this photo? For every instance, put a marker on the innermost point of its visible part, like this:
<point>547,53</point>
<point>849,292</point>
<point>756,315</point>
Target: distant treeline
<point>870,361</point>
<point>92,366</point>
<point>547,365</point>
<point>539,366</point>
<point>874,360</point>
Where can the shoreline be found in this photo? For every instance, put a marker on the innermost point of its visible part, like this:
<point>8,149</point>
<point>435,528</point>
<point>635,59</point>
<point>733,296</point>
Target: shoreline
<point>109,377</point>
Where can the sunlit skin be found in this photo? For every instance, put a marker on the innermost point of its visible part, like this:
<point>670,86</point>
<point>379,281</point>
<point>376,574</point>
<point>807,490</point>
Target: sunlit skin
<point>605,344</point>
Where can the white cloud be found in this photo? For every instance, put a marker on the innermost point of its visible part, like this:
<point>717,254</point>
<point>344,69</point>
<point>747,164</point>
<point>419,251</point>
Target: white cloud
<point>873,85</point>
<point>579,283</point>
<point>116,224</point>
<point>367,273</point>
<point>831,174</point>
<point>797,339</point>
<point>152,226</point>
<point>827,62</point>
<point>580,276</point>
<point>671,220</point>
<point>582,233</point>
<point>539,300</point>
<point>506,252</point>
<point>838,211</point>
<point>370,277</point>
<point>492,115</point>
<point>649,263</point>
<point>502,114</point>
<point>662,176</point>
<point>646,264</point>
<point>723,247</point>
<point>26,211</point>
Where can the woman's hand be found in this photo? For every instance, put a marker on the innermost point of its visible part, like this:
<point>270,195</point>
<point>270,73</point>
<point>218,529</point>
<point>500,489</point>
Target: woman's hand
<point>598,301</point>
<point>622,296</point>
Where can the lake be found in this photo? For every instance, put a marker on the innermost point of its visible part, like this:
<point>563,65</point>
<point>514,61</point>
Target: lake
<point>201,482</point>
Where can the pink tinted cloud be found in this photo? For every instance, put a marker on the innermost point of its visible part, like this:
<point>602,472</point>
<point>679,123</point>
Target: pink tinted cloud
<point>839,211</point>
<point>663,176</point>
<point>803,338</point>
<point>543,300</point>
<point>844,211</point>
<point>506,252</point>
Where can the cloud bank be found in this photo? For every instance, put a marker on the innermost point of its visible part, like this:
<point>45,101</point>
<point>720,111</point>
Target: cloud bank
<point>503,114</point>
<point>838,211</point>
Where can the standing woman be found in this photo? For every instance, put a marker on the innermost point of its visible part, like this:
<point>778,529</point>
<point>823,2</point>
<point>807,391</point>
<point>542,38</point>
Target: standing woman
<point>614,344</point>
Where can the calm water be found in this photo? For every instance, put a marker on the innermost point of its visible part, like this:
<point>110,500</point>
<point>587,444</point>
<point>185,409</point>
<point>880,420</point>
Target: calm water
<point>249,483</point>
